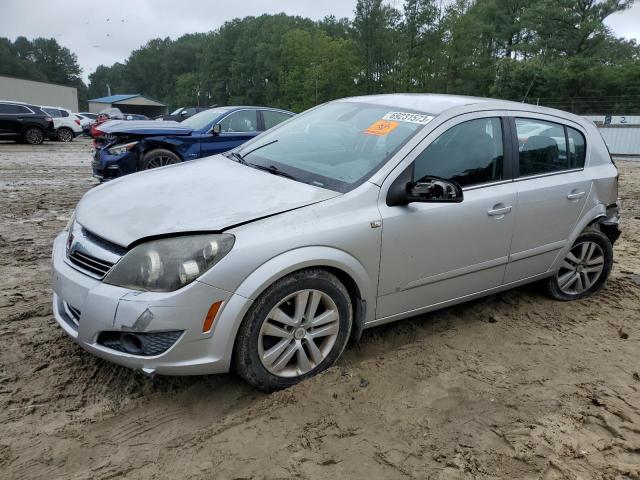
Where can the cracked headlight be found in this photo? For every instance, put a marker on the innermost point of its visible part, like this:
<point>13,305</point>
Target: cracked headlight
<point>120,149</point>
<point>168,264</point>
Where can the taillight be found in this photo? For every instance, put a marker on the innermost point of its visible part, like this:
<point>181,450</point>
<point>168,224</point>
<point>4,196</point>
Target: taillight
<point>77,122</point>
<point>48,119</point>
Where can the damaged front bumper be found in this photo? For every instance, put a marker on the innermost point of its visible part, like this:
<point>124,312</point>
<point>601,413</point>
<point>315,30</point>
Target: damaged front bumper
<point>168,327</point>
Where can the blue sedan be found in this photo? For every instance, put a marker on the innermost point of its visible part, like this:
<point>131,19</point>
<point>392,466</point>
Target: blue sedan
<point>125,147</point>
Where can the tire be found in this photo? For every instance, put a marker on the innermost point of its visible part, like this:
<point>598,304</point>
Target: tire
<point>33,135</point>
<point>584,270</point>
<point>266,361</point>
<point>65,134</point>
<point>158,158</point>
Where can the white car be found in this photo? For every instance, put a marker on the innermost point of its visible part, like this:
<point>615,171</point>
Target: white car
<point>66,125</point>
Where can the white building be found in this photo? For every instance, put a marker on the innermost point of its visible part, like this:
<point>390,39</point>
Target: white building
<point>38,93</point>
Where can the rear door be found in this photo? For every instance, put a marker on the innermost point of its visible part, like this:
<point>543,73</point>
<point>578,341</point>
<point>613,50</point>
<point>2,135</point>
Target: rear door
<point>237,127</point>
<point>552,191</point>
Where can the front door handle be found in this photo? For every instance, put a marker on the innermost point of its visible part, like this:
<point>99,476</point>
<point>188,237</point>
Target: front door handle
<point>575,195</point>
<point>499,210</point>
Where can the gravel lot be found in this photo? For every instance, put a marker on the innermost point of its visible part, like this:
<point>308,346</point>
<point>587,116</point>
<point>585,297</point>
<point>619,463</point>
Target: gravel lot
<point>511,386</point>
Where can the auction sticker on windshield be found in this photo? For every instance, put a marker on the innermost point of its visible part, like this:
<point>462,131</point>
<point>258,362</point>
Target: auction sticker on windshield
<point>408,117</point>
<point>381,128</point>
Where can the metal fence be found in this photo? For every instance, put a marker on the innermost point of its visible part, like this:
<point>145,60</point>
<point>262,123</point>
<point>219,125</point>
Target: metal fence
<point>621,134</point>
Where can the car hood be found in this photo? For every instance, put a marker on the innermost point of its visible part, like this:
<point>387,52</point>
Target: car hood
<point>145,127</point>
<point>210,194</point>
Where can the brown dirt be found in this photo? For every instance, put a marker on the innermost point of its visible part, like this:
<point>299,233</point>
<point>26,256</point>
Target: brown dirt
<point>511,386</point>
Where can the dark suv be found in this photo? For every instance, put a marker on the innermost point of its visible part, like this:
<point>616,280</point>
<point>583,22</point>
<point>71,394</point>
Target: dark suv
<point>24,122</point>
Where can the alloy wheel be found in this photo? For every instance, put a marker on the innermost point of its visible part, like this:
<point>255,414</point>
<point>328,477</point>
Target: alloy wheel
<point>298,333</point>
<point>65,135</point>
<point>581,268</point>
<point>160,161</point>
<point>34,136</point>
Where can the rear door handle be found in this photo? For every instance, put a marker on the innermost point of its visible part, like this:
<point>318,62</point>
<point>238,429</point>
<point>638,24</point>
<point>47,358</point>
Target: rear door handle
<point>575,195</point>
<point>499,210</point>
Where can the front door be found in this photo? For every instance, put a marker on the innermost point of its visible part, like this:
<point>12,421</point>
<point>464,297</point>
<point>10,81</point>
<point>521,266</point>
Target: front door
<point>436,252</point>
<point>237,128</point>
<point>552,191</point>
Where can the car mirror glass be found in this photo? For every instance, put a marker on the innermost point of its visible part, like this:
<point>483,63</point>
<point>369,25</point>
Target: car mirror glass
<point>216,129</point>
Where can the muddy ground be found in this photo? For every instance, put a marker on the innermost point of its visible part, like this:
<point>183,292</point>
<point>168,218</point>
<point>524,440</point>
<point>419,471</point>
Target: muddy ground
<point>511,386</point>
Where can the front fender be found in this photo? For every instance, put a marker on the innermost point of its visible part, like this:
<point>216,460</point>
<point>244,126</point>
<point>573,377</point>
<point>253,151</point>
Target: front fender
<point>232,314</point>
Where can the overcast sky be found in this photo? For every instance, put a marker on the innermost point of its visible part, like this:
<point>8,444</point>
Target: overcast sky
<point>104,32</point>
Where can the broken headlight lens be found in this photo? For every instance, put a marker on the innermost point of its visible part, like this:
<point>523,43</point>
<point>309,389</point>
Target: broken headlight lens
<point>120,149</point>
<point>168,264</point>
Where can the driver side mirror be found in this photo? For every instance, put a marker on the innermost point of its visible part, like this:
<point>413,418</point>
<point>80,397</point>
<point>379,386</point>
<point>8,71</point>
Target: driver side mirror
<point>216,129</point>
<point>428,189</point>
<point>183,113</point>
<point>434,189</point>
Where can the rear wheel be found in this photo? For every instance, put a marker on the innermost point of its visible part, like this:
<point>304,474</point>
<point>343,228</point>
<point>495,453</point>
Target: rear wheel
<point>158,158</point>
<point>65,134</point>
<point>33,135</point>
<point>297,328</point>
<point>585,268</point>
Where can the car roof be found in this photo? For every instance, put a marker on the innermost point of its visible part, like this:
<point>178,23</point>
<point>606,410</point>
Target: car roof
<point>20,103</point>
<point>437,103</point>
<point>55,108</point>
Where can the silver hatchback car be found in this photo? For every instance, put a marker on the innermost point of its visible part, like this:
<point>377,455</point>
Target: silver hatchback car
<point>359,212</point>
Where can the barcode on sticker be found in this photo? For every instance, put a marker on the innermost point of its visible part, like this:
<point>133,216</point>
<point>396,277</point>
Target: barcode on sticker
<point>408,117</point>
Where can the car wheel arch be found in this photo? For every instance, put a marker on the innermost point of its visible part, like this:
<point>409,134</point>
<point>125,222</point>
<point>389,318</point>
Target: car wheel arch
<point>151,146</point>
<point>588,220</point>
<point>343,265</point>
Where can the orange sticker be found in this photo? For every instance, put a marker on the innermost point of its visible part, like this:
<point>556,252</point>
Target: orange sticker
<point>381,128</point>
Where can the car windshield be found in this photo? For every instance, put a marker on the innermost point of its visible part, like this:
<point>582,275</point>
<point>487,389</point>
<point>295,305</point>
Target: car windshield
<point>335,146</point>
<point>202,119</point>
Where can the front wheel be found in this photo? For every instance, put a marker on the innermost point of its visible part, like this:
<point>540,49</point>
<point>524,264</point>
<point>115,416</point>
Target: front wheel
<point>585,268</point>
<point>65,135</point>
<point>297,328</point>
<point>158,158</point>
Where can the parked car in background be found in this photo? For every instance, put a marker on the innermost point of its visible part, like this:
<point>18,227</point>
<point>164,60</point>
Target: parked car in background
<point>182,113</point>
<point>359,212</point>
<point>123,147</point>
<point>86,120</point>
<point>135,116</point>
<point>66,125</point>
<point>24,122</point>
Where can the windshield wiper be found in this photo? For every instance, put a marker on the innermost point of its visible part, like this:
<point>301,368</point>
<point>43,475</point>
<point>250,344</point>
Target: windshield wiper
<point>239,158</point>
<point>273,170</point>
<point>259,147</point>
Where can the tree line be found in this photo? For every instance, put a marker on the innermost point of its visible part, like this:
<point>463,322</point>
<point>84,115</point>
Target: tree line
<point>557,53</point>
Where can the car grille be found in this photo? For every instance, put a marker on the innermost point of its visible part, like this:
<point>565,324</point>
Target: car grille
<point>143,344</point>
<point>95,266</point>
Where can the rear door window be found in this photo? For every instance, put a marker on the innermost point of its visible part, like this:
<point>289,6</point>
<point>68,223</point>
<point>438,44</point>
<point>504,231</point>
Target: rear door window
<point>13,109</point>
<point>271,118</point>
<point>54,112</point>
<point>471,153</point>
<point>548,147</point>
